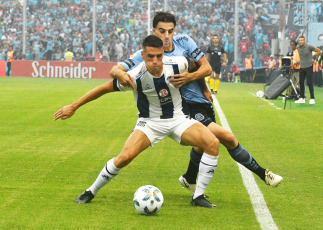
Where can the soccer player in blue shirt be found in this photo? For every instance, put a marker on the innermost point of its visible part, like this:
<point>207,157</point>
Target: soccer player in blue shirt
<point>197,96</point>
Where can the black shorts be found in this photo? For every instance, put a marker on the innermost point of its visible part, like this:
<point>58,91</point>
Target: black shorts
<point>203,113</point>
<point>216,69</point>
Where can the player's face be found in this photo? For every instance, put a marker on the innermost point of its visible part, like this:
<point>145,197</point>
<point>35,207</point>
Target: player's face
<point>216,39</point>
<point>153,58</point>
<point>165,31</point>
<point>301,41</point>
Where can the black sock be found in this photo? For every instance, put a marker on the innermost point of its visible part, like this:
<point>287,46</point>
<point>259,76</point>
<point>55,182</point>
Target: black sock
<point>193,167</point>
<point>242,156</point>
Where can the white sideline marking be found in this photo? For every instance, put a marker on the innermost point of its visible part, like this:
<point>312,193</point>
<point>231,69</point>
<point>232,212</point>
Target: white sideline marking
<point>258,202</point>
<point>270,103</point>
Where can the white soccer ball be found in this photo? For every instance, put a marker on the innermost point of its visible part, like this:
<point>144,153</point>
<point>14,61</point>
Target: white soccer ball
<point>148,200</point>
<point>260,94</point>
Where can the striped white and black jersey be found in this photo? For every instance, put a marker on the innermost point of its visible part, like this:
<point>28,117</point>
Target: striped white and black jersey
<point>157,97</point>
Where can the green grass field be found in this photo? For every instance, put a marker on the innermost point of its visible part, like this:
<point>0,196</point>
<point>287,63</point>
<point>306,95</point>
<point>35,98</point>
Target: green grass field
<point>46,164</point>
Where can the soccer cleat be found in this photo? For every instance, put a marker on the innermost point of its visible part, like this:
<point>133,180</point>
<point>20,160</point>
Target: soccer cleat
<point>272,179</point>
<point>202,202</point>
<point>190,187</point>
<point>312,102</point>
<point>300,101</point>
<point>85,197</point>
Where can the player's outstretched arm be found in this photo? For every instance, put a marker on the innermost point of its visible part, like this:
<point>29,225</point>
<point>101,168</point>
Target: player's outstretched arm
<point>185,77</point>
<point>68,110</point>
<point>120,73</point>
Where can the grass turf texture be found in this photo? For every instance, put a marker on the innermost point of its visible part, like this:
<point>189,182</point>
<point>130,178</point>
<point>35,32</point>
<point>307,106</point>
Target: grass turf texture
<point>46,164</point>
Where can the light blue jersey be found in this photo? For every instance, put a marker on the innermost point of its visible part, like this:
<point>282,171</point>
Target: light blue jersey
<point>183,45</point>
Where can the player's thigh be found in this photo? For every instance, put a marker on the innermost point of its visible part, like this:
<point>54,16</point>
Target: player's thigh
<point>136,143</point>
<point>225,137</point>
<point>200,136</point>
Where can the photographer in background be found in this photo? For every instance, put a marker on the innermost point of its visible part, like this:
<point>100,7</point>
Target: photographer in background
<point>306,68</point>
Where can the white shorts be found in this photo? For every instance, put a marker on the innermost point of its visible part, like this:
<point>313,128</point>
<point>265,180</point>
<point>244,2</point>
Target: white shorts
<point>157,129</point>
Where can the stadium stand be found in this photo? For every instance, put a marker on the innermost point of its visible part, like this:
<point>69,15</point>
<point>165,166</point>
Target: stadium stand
<point>56,25</point>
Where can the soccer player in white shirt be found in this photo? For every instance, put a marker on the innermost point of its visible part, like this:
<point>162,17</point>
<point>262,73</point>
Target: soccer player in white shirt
<point>161,113</point>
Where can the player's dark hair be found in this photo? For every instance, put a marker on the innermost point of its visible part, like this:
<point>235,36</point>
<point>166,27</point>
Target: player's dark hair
<point>152,41</point>
<point>293,41</point>
<point>163,17</point>
<point>301,37</point>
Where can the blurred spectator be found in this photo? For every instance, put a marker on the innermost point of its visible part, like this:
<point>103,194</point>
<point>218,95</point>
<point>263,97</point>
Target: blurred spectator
<point>68,55</point>
<point>98,56</point>
<point>248,63</point>
<point>119,47</point>
<point>233,72</point>
<point>2,54</point>
<point>271,66</point>
<point>10,57</point>
<point>68,24</point>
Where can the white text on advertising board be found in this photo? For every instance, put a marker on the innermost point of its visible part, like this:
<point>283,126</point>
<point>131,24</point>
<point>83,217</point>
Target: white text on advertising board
<point>70,71</point>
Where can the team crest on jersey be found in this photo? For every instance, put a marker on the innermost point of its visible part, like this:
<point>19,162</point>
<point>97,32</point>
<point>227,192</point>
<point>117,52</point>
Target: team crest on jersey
<point>163,92</point>
<point>199,117</point>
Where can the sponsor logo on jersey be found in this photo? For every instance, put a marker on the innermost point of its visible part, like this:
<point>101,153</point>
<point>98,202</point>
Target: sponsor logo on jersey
<point>182,38</point>
<point>196,53</point>
<point>165,100</point>
<point>163,92</point>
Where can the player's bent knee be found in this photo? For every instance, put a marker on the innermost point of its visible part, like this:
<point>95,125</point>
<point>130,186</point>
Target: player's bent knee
<point>211,146</point>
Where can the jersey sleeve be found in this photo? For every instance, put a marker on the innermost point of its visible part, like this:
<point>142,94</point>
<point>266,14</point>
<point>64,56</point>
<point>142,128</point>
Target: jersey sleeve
<point>222,50</point>
<point>134,74</point>
<point>182,62</point>
<point>133,61</point>
<point>192,50</point>
<point>118,87</point>
<point>208,49</point>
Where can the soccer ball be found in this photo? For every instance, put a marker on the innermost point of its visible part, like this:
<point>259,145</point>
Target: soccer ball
<point>148,200</point>
<point>260,94</point>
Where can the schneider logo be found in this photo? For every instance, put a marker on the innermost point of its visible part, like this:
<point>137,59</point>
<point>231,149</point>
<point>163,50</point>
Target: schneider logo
<point>71,71</point>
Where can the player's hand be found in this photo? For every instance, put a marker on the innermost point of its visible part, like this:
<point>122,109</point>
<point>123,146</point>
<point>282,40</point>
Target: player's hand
<point>65,112</point>
<point>125,79</point>
<point>178,80</point>
<point>208,95</point>
<point>224,63</point>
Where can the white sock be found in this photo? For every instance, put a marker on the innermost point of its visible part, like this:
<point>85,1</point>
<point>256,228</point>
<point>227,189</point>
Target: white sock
<point>108,172</point>
<point>207,168</point>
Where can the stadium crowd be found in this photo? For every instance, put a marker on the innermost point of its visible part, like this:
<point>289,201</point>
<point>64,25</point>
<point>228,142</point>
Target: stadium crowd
<point>57,26</point>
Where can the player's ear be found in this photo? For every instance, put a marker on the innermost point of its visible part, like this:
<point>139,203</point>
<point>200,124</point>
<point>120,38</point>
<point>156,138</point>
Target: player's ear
<point>142,54</point>
<point>154,30</point>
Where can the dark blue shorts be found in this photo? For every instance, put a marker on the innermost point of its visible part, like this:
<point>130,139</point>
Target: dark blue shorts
<point>203,113</point>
